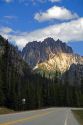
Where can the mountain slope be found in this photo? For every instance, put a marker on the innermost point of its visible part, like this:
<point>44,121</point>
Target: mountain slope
<point>60,62</point>
<point>68,66</point>
<point>12,56</point>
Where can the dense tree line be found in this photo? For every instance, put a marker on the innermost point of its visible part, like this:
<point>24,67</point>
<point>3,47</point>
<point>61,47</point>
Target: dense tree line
<point>38,90</point>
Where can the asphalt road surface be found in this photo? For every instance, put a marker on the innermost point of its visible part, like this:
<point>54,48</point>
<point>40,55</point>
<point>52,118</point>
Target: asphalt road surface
<point>51,116</point>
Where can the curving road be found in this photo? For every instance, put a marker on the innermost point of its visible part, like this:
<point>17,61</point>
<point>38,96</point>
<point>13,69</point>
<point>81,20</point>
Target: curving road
<point>51,116</point>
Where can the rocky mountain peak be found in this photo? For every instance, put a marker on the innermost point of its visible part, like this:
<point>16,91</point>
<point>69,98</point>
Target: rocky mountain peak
<point>49,40</point>
<point>36,52</point>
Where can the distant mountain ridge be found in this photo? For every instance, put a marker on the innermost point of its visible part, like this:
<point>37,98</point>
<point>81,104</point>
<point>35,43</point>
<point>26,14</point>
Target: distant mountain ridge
<point>36,52</point>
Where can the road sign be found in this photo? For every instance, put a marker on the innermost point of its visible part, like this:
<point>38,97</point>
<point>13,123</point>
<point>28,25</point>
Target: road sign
<point>23,101</point>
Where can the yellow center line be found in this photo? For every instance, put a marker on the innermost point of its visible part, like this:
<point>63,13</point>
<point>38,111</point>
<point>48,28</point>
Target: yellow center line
<point>26,119</point>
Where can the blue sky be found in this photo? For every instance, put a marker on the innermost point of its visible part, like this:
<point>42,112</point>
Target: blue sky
<point>22,21</point>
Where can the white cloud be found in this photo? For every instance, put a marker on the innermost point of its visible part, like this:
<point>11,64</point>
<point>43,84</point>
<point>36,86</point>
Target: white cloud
<point>55,0</point>
<point>68,31</point>
<point>33,2</point>
<point>27,2</point>
<point>8,1</point>
<point>10,17</point>
<point>5,30</point>
<point>55,12</point>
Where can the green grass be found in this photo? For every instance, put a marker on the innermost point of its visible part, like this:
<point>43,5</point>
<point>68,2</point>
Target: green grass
<point>79,115</point>
<point>4,110</point>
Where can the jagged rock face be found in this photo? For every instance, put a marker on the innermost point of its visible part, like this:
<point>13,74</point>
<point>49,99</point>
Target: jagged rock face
<point>37,52</point>
<point>61,62</point>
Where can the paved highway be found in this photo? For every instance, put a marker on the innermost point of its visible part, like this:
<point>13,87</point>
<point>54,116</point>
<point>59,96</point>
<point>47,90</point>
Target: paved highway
<point>51,116</point>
